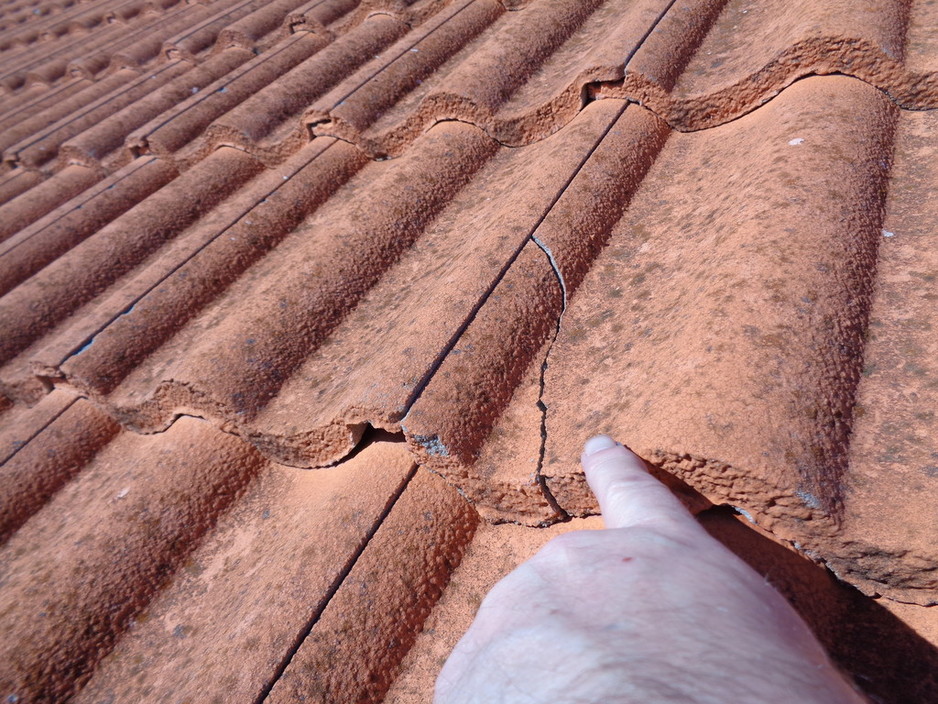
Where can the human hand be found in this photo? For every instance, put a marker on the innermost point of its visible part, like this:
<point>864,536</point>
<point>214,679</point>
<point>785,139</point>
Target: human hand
<point>651,609</point>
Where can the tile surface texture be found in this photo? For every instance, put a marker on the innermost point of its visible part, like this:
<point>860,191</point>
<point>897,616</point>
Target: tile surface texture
<point>306,309</point>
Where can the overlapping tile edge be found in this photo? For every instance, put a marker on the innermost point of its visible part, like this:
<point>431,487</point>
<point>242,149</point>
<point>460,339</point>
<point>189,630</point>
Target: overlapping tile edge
<point>544,267</point>
<point>869,47</point>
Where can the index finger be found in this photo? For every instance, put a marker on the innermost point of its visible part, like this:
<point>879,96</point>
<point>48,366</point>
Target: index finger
<point>628,495</point>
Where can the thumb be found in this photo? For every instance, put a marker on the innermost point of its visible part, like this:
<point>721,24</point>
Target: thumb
<point>628,495</point>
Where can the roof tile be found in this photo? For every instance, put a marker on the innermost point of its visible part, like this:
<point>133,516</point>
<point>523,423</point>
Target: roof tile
<point>267,570</point>
<point>449,220</point>
<point>103,546</point>
<point>30,205</point>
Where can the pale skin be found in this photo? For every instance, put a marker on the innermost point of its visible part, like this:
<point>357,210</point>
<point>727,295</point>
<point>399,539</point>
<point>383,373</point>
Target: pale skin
<point>650,609</point>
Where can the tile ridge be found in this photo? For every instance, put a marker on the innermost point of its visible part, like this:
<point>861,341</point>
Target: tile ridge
<point>334,587</point>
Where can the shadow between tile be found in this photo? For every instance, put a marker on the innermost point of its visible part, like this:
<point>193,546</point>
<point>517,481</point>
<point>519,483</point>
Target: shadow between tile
<point>889,661</point>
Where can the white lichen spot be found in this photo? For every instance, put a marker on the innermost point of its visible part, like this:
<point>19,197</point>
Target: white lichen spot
<point>809,499</point>
<point>887,233</point>
<point>744,513</point>
<point>433,445</point>
<point>795,142</point>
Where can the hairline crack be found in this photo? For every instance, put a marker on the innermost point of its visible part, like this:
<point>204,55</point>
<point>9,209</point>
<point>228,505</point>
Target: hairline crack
<point>542,382</point>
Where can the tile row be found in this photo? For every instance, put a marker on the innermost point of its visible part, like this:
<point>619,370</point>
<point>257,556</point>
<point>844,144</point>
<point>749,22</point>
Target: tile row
<point>669,56</point>
<point>49,21</point>
<point>184,565</point>
<point>157,31</point>
<point>748,301</point>
<point>380,79</point>
<point>455,66</point>
<point>150,564</point>
<point>115,44</point>
<point>16,13</point>
<point>86,123</point>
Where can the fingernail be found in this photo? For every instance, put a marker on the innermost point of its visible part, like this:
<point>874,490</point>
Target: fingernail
<point>597,443</point>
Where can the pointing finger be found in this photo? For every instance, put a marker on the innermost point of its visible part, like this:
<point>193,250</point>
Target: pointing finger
<point>628,495</point>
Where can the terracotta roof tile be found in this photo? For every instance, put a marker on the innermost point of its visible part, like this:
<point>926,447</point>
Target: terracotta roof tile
<point>429,79</point>
<point>404,567</point>
<point>139,46</point>
<point>265,21</point>
<point>42,147</point>
<point>91,51</point>
<point>102,144</point>
<point>47,25</point>
<point>31,204</point>
<point>72,433</point>
<point>38,98</point>
<point>238,238</point>
<point>16,181</point>
<point>200,36</point>
<point>271,570</point>
<point>759,323</point>
<point>269,117</point>
<point>104,545</point>
<point>41,243</point>
<point>894,445</point>
<point>44,301</point>
<point>317,15</point>
<point>56,104</point>
<point>176,127</point>
<point>752,52</point>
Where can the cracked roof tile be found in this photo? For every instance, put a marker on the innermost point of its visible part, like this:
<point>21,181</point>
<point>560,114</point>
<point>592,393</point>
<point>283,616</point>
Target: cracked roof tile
<point>237,238</point>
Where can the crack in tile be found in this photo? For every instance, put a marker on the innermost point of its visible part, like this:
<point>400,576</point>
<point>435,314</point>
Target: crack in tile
<point>541,406</point>
<point>483,299</point>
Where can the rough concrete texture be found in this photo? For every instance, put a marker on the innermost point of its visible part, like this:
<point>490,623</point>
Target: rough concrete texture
<point>238,238</point>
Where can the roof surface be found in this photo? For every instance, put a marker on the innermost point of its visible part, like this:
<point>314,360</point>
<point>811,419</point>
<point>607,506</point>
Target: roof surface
<point>307,308</point>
